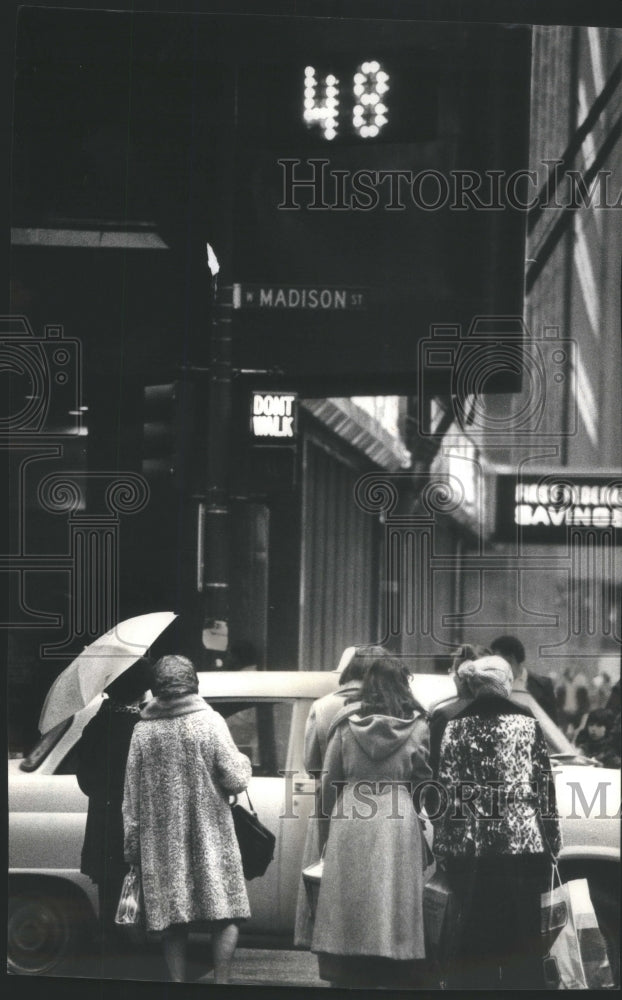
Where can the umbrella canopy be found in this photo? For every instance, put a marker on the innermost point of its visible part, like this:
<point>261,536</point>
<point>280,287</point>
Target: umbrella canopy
<point>99,664</point>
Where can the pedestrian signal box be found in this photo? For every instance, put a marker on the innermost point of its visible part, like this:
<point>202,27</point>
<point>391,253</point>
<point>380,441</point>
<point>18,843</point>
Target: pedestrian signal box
<point>274,417</point>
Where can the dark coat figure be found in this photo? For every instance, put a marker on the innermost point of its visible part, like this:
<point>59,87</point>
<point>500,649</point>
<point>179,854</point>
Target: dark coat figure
<point>542,690</point>
<point>102,758</point>
<point>539,687</point>
<point>613,703</point>
<point>496,832</point>
<point>598,738</point>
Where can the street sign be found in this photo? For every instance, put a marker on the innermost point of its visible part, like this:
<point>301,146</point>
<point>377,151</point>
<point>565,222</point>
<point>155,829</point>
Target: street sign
<point>313,298</point>
<point>541,508</point>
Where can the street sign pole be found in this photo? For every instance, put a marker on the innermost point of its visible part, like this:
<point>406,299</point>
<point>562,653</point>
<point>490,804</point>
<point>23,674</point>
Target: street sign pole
<point>213,524</point>
<point>216,521</point>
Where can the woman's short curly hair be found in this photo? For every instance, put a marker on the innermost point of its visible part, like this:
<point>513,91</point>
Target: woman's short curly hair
<point>174,675</point>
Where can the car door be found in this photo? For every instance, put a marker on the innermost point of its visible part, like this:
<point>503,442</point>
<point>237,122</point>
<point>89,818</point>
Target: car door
<point>261,728</point>
<point>47,816</point>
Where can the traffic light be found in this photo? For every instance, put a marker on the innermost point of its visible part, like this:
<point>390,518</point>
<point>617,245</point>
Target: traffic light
<point>168,433</point>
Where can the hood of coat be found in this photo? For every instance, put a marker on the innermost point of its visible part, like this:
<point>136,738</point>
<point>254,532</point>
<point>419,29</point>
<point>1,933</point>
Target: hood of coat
<point>352,687</point>
<point>379,736</point>
<point>172,708</point>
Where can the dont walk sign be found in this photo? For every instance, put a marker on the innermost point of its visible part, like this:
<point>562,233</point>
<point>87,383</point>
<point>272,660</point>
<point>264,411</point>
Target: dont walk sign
<point>274,417</point>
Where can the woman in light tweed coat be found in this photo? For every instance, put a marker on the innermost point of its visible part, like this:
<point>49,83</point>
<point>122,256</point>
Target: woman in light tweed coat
<point>181,769</point>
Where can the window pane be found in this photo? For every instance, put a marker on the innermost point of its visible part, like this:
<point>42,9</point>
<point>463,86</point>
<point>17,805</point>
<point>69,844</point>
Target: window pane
<point>261,731</point>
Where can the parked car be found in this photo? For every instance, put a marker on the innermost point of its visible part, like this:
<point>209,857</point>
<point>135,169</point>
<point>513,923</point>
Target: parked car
<point>52,906</point>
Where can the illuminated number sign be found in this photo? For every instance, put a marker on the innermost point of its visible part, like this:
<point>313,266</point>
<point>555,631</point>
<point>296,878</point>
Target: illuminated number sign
<point>273,417</point>
<point>339,99</point>
<point>322,105</point>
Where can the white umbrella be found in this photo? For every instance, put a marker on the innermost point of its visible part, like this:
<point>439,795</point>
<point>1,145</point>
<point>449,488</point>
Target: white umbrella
<point>99,664</point>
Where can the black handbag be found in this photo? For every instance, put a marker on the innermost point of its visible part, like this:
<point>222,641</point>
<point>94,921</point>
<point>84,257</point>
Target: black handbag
<point>255,841</point>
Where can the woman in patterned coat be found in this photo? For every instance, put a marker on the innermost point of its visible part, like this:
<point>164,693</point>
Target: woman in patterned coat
<point>181,769</point>
<point>497,831</point>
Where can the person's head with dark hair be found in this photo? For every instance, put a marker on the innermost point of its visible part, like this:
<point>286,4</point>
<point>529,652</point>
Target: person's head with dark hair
<point>173,676</point>
<point>132,684</point>
<point>359,663</point>
<point>467,651</point>
<point>386,690</point>
<point>599,723</point>
<point>511,649</point>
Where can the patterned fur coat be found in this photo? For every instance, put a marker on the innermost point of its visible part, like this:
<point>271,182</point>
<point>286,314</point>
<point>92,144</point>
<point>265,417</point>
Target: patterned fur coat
<point>496,772</point>
<point>182,766</point>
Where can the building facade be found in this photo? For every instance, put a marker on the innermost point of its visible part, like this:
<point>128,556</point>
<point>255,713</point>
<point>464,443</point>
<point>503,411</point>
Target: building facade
<point>559,591</point>
<point>380,523</point>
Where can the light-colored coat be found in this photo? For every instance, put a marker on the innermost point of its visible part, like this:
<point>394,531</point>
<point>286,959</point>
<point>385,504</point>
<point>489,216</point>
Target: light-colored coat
<point>322,713</point>
<point>370,901</point>
<point>181,769</point>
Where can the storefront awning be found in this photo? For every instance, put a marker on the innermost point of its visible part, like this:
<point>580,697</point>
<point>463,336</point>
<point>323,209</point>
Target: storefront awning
<point>130,239</point>
<point>361,430</point>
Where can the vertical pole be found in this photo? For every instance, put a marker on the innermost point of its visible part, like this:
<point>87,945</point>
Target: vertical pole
<point>216,512</point>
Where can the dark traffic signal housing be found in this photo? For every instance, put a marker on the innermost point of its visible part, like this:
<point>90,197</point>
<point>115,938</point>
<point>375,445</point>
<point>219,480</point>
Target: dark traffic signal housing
<point>168,433</point>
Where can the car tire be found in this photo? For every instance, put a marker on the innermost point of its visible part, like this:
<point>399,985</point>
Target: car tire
<point>43,931</point>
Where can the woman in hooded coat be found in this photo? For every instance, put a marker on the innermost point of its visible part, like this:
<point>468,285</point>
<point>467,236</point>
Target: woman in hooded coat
<point>181,769</point>
<point>369,921</point>
<point>351,668</point>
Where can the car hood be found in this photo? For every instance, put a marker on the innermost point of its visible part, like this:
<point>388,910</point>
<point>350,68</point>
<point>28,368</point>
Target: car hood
<point>588,802</point>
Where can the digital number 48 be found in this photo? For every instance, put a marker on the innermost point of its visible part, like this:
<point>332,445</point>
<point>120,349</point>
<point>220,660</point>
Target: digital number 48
<point>369,112</point>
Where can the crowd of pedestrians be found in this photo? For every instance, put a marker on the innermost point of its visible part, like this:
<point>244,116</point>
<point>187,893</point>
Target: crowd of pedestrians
<point>466,791</point>
<point>496,829</point>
